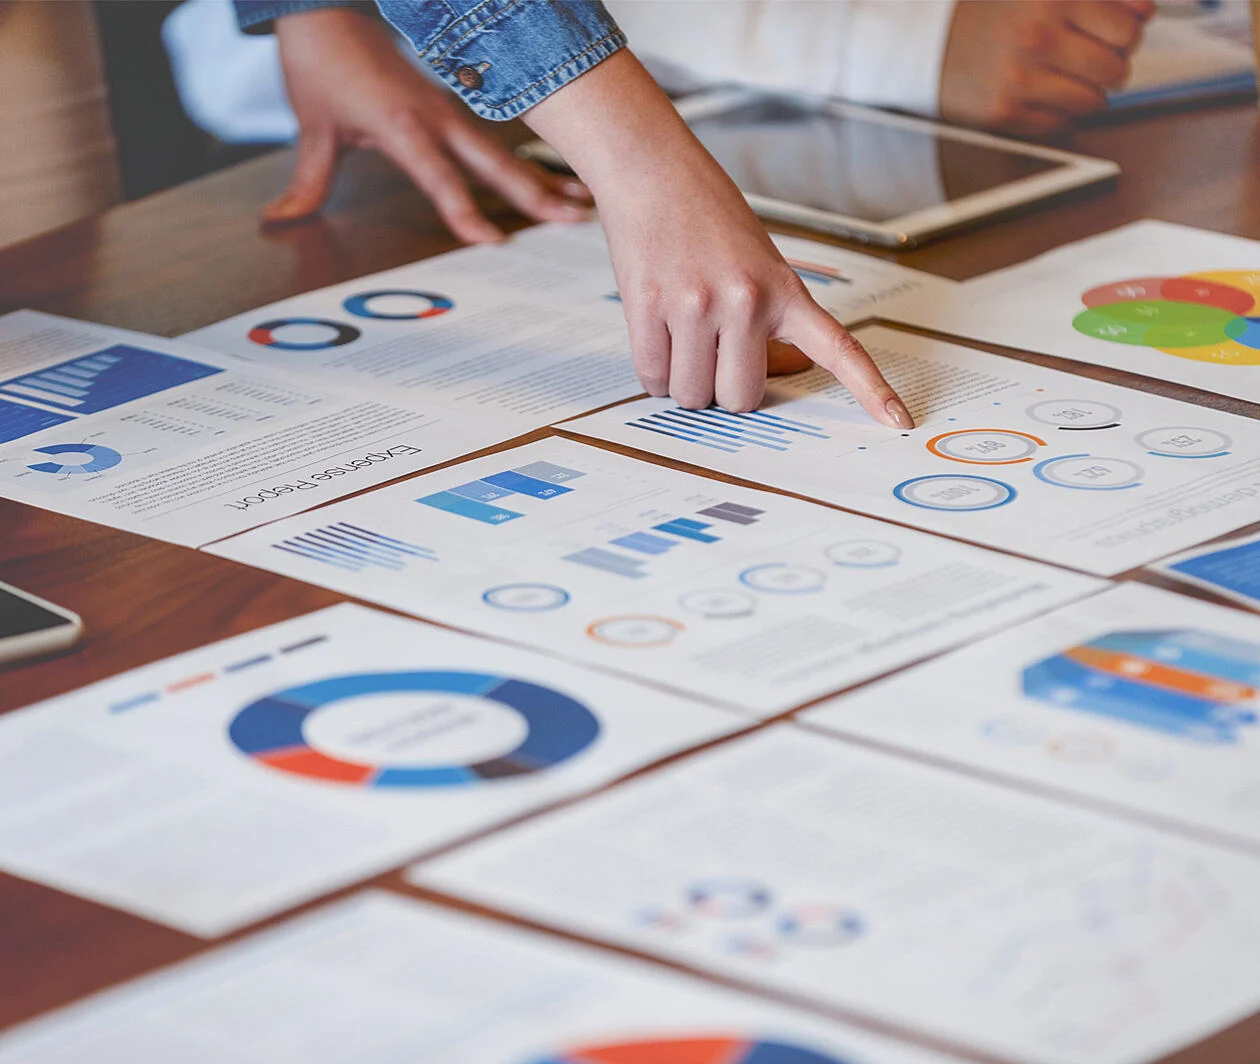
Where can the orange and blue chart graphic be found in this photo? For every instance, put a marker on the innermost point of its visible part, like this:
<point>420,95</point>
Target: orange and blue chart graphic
<point>270,729</point>
<point>397,304</point>
<point>1208,317</point>
<point>1196,685</point>
<point>717,1050</point>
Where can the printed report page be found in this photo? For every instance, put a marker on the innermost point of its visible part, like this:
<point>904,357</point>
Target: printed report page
<point>794,862</point>
<point>744,596</point>
<point>1163,300</point>
<point>227,784</point>
<point>183,444</point>
<point>1139,700</point>
<point>1007,454</point>
<point>381,978</point>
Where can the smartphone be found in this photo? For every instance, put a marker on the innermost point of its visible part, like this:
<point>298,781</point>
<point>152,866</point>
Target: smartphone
<point>29,626</point>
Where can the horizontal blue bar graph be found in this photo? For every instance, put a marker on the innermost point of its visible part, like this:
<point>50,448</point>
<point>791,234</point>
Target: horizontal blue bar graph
<point>478,511</point>
<point>106,379</point>
<point>347,546</point>
<point>645,543</point>
<point>619,564</point>
<point>537,480</point>
<point>548,471</point>
<point>481,491</point>
<point>688,529</point>
<point>17,420</point>
<point>725,431</point>
<point>521,484</point>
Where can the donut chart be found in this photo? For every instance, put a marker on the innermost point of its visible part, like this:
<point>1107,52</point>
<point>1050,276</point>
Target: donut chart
<point>431,305</point>
<point>93,458</point>
<point>711,1050</point>
<point>1212,316</point>
<point>337,334</point>
<point>270,729</point>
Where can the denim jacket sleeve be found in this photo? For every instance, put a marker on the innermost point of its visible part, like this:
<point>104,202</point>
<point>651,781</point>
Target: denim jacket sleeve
<point>257,16</point>
<point>503,56</point>
<point>500,56</point>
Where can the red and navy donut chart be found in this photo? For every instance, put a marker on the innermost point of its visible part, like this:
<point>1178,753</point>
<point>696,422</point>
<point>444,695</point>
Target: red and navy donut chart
<point>270,729</point>
<point>339,334</point>
<point>431,305</point>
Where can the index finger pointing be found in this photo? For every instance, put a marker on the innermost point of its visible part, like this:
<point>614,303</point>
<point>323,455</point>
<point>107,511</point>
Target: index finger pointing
<point>834,348</point>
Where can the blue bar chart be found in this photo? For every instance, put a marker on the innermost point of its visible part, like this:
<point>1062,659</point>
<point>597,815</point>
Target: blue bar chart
<point>106,379</point>
<point>477,500</point>
<point>661,539</point>
<point>723,431</point>
<point>346,546</point>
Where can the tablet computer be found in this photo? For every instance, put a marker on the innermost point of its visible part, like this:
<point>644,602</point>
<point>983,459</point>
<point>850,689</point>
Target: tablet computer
<point>869,175</point>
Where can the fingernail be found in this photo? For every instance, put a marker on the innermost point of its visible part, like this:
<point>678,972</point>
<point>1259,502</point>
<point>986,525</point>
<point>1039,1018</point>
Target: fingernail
<point>899,414</point>
<point>576,189</point>
<point>575,213</point>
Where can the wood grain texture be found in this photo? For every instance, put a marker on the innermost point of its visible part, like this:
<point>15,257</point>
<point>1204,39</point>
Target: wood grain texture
<point>195,254</point>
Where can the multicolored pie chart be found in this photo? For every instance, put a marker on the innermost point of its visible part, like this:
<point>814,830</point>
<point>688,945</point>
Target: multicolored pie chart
<point>693,1051</point>
<point>1195,685</point>
<point>1209,317</point>
<point>271,729</point>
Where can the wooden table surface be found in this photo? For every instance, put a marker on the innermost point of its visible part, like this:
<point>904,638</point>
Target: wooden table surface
<point>195,254</point>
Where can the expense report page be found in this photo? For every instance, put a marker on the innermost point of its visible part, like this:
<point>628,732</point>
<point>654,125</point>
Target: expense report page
<point>853,879</point>
<point>221,786</point>
<point>1167,301</point>
<point>381,978</point>
<point>752,598</point>
<point>183,444</point>
<point>1139,699</point>
<point>1008,454</point>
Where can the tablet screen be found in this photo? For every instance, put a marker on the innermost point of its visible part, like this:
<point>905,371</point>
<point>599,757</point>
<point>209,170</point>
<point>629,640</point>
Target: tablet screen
<point>849,165</point>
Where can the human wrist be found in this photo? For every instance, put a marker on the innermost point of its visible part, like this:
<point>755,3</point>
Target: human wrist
<point>619,132</point>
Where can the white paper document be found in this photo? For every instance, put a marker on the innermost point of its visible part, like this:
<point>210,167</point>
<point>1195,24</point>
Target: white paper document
<point>183,444</point>
<point>1230,568</point>
<point>381,978</point>
<point>518,334</point>
<point>524,333</point>
<point>854,286</point>
<point>758,600</point>
<point>793,861</point>
<point>1139,700</point>
<point>1167,301</point>
<point>1011,455</point>
<point>223,785</point>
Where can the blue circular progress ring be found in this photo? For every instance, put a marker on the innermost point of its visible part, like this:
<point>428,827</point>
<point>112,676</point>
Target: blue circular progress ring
<point>435,305</point>
<point>270,729</point>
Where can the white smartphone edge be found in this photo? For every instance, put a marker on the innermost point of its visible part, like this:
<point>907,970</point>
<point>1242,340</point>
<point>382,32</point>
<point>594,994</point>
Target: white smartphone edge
<point>46,641</point>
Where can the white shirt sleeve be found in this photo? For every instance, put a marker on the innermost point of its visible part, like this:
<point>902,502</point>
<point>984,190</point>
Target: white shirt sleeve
<point>886,53</point>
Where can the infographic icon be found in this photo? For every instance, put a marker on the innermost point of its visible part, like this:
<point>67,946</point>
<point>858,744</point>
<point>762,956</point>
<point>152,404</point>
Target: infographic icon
<point>397,304</point>
<point>1196,685</point>
<point>961,493</point>
<point>303,334</point>
<point>715,1049</point>
<point>1208,317</point>
<point>77,458</point>
<point>427,706</point>
<point>985,446</point>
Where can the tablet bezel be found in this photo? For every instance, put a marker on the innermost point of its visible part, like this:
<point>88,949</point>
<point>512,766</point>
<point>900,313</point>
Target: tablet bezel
<point>1074,171</point>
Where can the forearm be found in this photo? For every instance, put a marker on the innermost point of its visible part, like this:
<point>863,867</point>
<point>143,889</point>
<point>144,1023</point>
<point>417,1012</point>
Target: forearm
<point>623,137</point>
